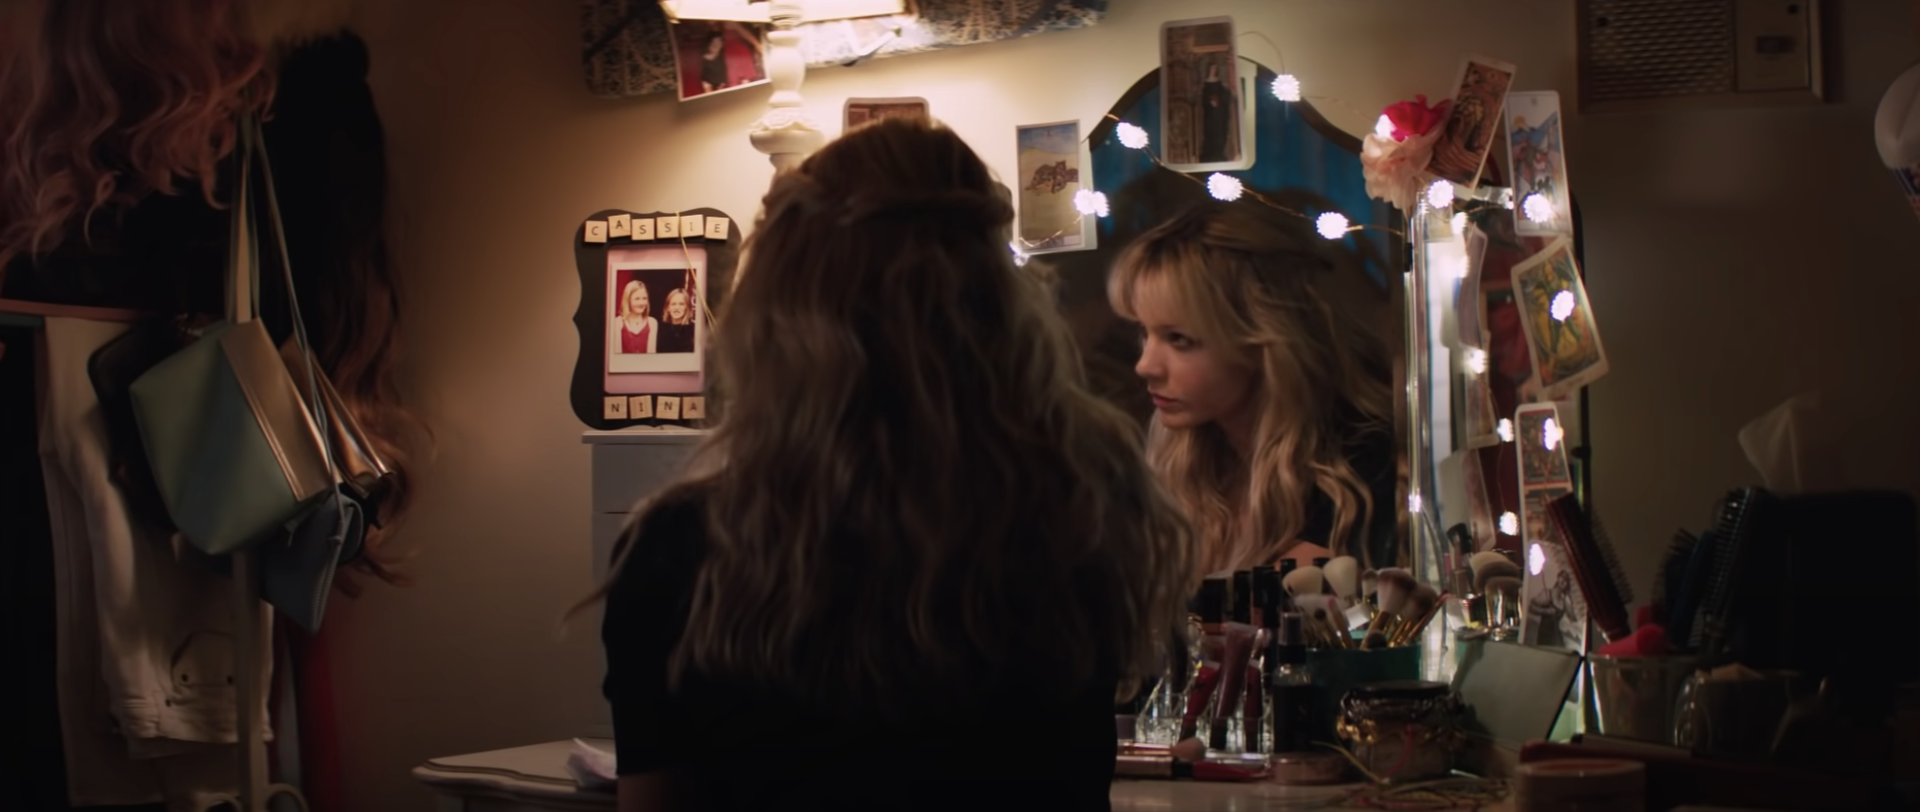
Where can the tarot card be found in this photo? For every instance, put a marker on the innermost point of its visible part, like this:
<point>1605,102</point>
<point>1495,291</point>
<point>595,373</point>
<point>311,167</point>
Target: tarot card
<point>1543,203</point>
<point>1473,121</point>
<point>1482,422</point>
<point>862,111</point>
<point>1202,124</point>
<point>1553,612</point>
<point>1053,169</point>
<point>1557,320</point>
<point>716,56</point>
<point>1543,450</point>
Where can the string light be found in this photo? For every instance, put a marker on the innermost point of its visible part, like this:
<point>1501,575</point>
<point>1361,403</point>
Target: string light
<point>1509,523</point>
<point>1562,305</point>
<point>1460,222</point>
<point>1440,194</point>
<point>1224,187</point>
<point>1504,429</point>
<point>1383,127</point>
<point>1476,360</point>
<point>1550,434</point>
<point>1332,225</point>
<point>1090,203</point>
<point>1413,503</point>
<point>1131,136</point>
<point>1538,208</point>
<point>1020,255</point>
<point>1286,88</point>
<point>1536,559</point>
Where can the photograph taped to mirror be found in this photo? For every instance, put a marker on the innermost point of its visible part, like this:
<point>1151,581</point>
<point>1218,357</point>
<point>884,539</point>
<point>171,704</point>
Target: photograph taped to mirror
<point>715,56</point>
<point>866,111</point>
<point>1557,321</point>
<point>1052,171</point>
<point>1201,119</point>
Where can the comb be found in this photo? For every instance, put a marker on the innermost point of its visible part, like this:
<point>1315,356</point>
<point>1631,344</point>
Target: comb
<point>1595,567</point>
<point>1734,525</point>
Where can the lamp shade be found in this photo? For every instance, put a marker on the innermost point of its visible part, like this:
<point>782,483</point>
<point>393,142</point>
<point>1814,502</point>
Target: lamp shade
<point>1896,129</point>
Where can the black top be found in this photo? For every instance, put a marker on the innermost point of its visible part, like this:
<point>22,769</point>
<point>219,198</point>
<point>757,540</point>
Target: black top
<point>1373,457</point>
<point>759,748</point>
<point>674,338</point>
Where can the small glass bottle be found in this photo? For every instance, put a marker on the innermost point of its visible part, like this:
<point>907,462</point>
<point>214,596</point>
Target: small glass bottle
<point>1293,700</point>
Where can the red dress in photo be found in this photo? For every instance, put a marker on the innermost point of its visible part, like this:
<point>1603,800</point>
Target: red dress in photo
<point>632,342</point>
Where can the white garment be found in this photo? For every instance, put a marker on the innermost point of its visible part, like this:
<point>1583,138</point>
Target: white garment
<point>145,624</point>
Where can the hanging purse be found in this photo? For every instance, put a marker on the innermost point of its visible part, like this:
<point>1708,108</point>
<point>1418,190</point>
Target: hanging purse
<point>235,451</point>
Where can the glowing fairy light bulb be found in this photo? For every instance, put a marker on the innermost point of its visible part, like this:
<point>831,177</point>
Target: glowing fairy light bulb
<point>1413,503</point>
<point>1504,429</point>
<point>1090,203</point>
<point>1131,136</point>
<point>1476,360</point>
<point>1286,87</point>
<point>1332,225</point>
<point>1440,194</point>
<point>1538,208</point>
<point>1536,559</point>
<point>1224,187</point>
<point>1459,222</point>
<point>1562,305</point>
<point>1509,523</point>
<point>1551,434</point>
<point>1020,255</point>
<point>1383,127</point>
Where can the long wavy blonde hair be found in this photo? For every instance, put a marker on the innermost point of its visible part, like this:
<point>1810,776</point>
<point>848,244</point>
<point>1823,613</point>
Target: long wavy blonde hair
<point>911,491</point>
<point>1274,303</point>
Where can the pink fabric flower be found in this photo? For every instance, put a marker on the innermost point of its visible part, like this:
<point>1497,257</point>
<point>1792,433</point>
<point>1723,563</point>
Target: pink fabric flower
<point>1411,118</point>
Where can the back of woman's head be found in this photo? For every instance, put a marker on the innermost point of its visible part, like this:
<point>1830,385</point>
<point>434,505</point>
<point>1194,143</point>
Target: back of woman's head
<point>1272,298</point>
<point>911,487</point>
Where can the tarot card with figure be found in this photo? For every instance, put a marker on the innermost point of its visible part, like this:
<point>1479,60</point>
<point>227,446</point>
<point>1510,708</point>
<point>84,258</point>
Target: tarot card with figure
<point>1553,612</point>
<point>1052,170</point>
<point>1543,203</point>
<point>1558,322</point>
<point>1473,121</point>
<point>1543,450</point>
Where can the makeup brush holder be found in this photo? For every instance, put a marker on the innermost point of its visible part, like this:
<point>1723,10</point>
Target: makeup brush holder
<point>1638,697</point>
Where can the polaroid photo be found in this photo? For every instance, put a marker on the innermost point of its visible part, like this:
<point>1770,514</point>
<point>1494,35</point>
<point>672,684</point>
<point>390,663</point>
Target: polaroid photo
<point>1204,126</point>
<point>1557,320</point>
<point>716,56</point>
<point>1543,450</point>
<point>1543,203</point>
<point>1473,122</point>
<point>653,309</point>
<point>865,111</point>
<point>1053,167</point>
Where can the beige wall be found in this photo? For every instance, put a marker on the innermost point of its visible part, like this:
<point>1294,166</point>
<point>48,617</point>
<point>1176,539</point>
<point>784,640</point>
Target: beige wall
<point>498,151</point>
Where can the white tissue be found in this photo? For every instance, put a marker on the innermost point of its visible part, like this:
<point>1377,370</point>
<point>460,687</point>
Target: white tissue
<point>1796,447</point>
<point>591,767</point>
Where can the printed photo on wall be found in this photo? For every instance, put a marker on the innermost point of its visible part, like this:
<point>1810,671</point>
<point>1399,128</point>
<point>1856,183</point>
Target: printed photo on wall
<point>715,56</point>
<point>1562,339</point>
<point>1202,125</point>
<point>1543,201</point>
<point>1472,122</point>
<point>1053,168</point>
<point>653,313</point>
<point>864,111</point>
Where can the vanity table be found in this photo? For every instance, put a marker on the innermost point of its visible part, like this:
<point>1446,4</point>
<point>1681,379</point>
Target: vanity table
<point>534,779</point>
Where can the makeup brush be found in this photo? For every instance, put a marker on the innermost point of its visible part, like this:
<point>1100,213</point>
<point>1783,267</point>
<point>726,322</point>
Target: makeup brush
<point>1502,568</point>
<point>1503,592</point>
<point>1481,560</point>
<point>1395,586</point>
<point>1420,608</point>
<point>1327,611</point>
<point>1343,574</point>
<point>1305,581</point>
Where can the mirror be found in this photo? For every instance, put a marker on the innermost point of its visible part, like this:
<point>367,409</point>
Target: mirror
<point>1301,162</point>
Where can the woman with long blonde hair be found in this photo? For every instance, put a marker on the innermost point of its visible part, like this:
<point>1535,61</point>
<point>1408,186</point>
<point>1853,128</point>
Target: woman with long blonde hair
<point>639,330</point>
<point>1273,397</point>
<point>915,545</point>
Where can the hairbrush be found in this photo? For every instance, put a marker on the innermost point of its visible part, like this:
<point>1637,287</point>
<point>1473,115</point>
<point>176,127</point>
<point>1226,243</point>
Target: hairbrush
<point>1596,567</point>
<point>1671,574</point>
<point>1737,525</point>
<point>1696,572</point>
